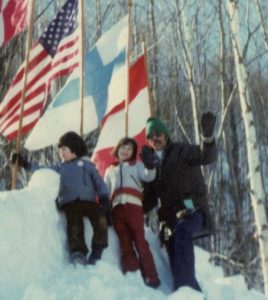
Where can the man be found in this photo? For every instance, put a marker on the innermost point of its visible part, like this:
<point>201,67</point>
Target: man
<point>180,188</point>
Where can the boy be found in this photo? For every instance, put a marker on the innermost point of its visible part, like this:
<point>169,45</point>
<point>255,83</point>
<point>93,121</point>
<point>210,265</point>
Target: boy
<point>80,184</point>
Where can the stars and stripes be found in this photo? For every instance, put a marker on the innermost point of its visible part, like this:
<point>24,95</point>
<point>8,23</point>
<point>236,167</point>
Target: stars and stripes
<point>54,55</point>
<point>61,26</point>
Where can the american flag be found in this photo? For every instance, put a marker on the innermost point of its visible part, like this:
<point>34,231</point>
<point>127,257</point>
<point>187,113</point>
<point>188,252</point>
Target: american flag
<point>54,55</point>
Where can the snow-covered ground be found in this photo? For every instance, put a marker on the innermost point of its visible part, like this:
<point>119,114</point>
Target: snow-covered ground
<point>34,261</point>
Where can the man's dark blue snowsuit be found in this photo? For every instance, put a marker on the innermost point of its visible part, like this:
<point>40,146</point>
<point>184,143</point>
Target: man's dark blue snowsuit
<point>181,250</point>
<point>183,212</point>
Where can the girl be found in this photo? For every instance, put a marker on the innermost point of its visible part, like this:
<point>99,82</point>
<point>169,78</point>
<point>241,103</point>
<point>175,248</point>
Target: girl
<point>123,180</point>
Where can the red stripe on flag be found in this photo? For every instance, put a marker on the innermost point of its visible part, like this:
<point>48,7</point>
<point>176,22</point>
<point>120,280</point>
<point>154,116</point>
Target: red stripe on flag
<point>40,57</point>
<point>41,82</point>
<point>138,81</point>
<point>26,112</point>
<point>64,72</point>
<point>17,98</point>
<point>114,110</point>
<point>16,106</point>
<point>104,158</point>
<point>65,59</point>
<point>24,130</point>
<point>14,17</point>
<point>69,44</point>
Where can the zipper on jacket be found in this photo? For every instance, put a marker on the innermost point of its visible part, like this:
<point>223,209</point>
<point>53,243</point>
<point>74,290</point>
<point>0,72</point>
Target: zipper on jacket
<point>137,184</point>
<point>121,175</point>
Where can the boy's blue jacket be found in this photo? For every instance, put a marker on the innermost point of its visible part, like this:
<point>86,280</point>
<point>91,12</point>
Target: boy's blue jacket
<point>79,179</point>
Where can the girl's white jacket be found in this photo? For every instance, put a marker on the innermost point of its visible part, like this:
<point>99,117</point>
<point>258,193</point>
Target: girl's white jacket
<point>124,184</point>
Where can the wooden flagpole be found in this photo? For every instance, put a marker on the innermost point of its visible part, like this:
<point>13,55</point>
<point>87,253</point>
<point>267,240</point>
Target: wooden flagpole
<point>128,67</point>
<point>81,63</point>
<point>151,101</point>
<point>27,56</point>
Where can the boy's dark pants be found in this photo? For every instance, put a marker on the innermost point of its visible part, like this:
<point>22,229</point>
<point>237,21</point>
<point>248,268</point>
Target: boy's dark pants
<point>180,250</point>
<point>74,212</point>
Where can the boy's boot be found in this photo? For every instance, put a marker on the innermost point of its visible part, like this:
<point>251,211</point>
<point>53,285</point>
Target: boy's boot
<point>78,257</point>
<point>95,254</point>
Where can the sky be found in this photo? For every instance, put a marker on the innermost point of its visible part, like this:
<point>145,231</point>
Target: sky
<point>35,265</point>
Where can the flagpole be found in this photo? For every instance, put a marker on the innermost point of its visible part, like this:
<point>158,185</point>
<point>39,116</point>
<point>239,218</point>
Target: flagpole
<point>81,63</point>
<point>150,99</point>
<point>128,67</point>
<point>27,56</point>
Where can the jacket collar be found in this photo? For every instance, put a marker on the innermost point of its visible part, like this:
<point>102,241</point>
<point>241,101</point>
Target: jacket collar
<point>166,149</point>
<point>130,162</point>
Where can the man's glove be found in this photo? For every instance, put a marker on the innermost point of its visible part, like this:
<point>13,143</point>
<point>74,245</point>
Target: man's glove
<point>147,157</point>
<point>106,209</point>
<point>22,162</point>
<point>208,121</point>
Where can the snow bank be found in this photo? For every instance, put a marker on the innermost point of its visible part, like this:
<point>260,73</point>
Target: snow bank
<point>34,260</point>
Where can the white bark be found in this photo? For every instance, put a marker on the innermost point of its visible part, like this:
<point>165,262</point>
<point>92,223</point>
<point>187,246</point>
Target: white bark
<point>256,185</point>
<point>262,19</point>
<point>154,53</point>
<point>185,39</point>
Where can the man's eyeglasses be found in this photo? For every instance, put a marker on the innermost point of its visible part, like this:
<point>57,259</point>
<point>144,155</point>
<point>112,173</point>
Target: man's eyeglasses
<point>156,134</point>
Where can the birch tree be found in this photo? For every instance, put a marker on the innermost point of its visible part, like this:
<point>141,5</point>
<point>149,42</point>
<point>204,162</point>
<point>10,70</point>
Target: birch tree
<point>154,56</point>
<point>257,194</point>
<point>185,41</point>
<point>228,142</point>
<point>262,19</point>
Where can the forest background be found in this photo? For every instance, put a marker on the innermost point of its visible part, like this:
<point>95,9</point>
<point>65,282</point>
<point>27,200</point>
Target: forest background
<point>202,55</point>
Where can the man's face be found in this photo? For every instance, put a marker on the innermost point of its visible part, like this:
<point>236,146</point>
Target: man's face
<point>157,140</point>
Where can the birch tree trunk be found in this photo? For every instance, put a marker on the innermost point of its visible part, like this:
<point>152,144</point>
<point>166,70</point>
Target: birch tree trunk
<point>256,186</point>
<point>154,56</point>
<point>185,39</point>
<point>227,140</point>
<point>265,34</point>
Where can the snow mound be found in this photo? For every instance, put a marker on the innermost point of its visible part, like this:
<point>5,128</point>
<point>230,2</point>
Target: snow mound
<point>34,258</point>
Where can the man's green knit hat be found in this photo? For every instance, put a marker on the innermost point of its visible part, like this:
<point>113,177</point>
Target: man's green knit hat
<point>155,125</point>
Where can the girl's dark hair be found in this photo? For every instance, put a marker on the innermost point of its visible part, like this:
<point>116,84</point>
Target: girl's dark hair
<point>74,142</point>
<point>126,141</point>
